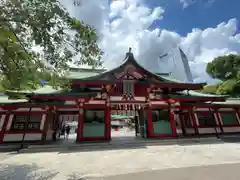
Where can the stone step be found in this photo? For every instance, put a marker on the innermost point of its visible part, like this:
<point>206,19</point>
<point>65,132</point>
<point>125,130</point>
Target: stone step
<point>7,147</point>
<point>117,145</point>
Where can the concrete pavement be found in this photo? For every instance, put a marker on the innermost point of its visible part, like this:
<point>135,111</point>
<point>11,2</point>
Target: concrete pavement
<point>150,161</point>
<point>3,156</point>
<point>212,172</point>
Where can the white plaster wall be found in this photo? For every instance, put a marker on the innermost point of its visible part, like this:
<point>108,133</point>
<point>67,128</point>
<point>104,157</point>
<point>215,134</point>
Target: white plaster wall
<point>22,109</point>
<point>179,131</point>
<point>207,130</point>
<point>159,102</point>
<point>190,130</point>
<point>18,137</point>
<point>231,129</point>
<point>202,109</point>
<point>68,109</point>
<point>96,102</point>
<point>12,137</point>
<point>49,135</point>
<point>226,109</point>
<point>27,109</point>
<point>33,137</point>
<point>70,103</point>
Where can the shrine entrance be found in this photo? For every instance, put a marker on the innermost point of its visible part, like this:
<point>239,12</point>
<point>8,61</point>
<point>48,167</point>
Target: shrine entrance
<point>127,122</point>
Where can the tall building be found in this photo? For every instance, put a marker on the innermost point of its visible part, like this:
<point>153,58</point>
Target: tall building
<point>187,69</point>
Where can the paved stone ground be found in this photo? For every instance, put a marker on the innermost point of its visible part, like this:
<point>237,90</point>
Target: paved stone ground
<point>212,172</point>
<point>3,156</point>
<point>148,161</point>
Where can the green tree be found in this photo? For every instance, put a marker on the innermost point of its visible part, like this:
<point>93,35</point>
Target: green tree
<point>46,25</point>
<point>229,87</point>
<point>224,67</point>
<point>210,89</point>
<point>227,69</point>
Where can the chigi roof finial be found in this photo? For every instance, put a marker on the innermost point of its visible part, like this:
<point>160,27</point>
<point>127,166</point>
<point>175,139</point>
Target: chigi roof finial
<point>129,53</point>
<point>129,49</point>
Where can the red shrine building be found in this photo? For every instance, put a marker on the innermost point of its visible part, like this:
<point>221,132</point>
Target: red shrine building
<point>164,107</point>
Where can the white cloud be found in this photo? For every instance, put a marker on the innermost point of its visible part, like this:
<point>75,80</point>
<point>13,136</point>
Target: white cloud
<point>125,24</point>
<point>187,3</point>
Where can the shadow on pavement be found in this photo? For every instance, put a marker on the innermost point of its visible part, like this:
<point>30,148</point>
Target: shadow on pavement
<point>33,172</point>
<point>74,149</point>
<point>124,144</point>
<point>25,172</point>
<point>118,145</point>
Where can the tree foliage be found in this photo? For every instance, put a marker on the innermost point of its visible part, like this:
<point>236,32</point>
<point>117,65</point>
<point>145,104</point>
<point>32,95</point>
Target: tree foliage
<point>227,69</point>
<point>224,67</point>
<point>210,89</point>
<point>58,38</point>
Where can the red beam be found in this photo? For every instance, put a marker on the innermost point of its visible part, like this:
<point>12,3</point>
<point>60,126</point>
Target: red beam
<point>93,83</point>
<point>179,86</point>
<point>59,97</point>
<point>200,99</point>
<point>207,106</point>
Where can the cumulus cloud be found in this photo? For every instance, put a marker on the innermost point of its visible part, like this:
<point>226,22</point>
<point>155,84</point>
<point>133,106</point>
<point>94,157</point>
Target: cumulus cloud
<point>186,3</point>
<point>126,24</point>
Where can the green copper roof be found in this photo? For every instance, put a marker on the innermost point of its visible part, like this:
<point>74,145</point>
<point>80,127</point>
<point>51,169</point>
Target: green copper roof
<point>199,94</point>
<point>4,100</point>
<point>81,73</point>
<point>43,90</point>
<point>168,78</point>
<point>230,101</point>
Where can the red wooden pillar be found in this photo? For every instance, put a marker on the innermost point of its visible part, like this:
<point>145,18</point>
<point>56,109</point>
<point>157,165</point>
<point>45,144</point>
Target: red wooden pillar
<point>149,122</point>
<point>3,130</point>
<point>191,113</point>
<point>172,121</point>
<point>80,125</point>
<point>107,122</point>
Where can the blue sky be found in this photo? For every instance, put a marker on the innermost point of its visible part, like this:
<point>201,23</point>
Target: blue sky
<point>198,15</point>
<point>128,26</point>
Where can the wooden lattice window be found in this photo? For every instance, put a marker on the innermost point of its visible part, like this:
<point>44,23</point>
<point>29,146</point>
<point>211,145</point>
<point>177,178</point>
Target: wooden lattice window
<point>23,122</point>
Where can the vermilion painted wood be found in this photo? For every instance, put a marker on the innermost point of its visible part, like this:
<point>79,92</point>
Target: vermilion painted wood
<point>108,122</point>
<point>149,122</point>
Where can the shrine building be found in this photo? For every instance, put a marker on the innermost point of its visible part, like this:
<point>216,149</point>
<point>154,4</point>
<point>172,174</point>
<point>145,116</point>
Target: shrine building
<point>164,107</point>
